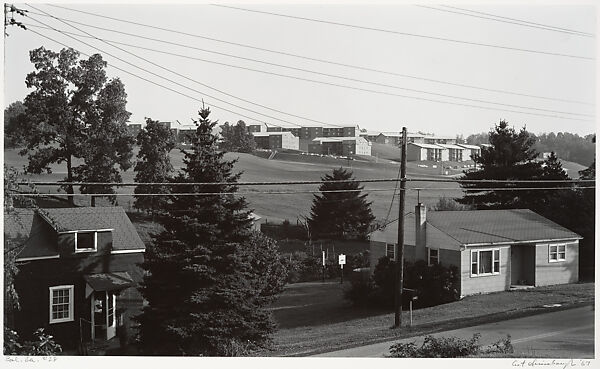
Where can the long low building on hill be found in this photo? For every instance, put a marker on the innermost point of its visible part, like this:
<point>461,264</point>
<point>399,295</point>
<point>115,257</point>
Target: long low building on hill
<point>276,140</point>
<point>343,146</point>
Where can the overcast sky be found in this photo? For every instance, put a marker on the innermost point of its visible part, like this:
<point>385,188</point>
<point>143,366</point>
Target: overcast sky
<point>549,77</point>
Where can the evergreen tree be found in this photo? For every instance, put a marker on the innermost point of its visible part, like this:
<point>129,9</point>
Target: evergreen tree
<point>208,283</point>
<point>511,157</point>
<point>154,165</point>
<point>340,215</point>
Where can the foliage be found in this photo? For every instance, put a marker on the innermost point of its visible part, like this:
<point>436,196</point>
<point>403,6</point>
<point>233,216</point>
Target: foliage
<point>434,285</point>
<point>237,138</point>
<point>340,215</point>
<point>209,278</point>
<point>511,157</point>
<point>447,203</point>
<point>42,345</point>
<point>108,145</point>
<point>478,139</point>
<point>153,165</point>
<point>449,347</point>
<point>13,117</point>
<point>73,113</point>
<point>568,146</point>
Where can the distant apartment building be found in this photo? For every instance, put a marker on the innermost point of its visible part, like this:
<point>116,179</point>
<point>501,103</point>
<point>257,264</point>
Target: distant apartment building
<point>425,152</point>
<point>395,138</point>
<point>341,146</point>
<point>276,140</point>
<point>455,152</point>
<point>433,139</point>
<point>470,151</point>
<point>370,135</point>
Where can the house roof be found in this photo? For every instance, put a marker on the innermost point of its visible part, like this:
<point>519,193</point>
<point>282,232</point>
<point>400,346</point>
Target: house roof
<point>451,146</point>
<point>472,147</point>
<point>33,229</point>
<point>427,146</point>
<point>125,237</point>
<point>497,226</point>
<point>109,281</point>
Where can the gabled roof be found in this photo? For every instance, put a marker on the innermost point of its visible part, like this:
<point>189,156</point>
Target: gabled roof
<point>497,226</point>
<point>451,146</point>
<point>125,237</point>
<point>36,230</point>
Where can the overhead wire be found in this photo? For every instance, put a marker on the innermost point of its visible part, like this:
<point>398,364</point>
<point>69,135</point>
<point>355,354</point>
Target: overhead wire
<point>167,79</point>
<point>502,20</point>
<point>175,72</point>
<point>321,82</point>
<point>523,22</point>
<point>315,191</point>
<point>472,43</point>
<point>312,58</point>
<point>305,79</point>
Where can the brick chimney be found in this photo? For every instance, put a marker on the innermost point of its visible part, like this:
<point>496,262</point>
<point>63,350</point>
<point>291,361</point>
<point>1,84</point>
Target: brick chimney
<point>420,231</point>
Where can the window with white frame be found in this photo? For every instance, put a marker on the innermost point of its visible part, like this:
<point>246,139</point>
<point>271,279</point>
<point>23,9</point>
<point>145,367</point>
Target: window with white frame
<point>557,252</point>
<point>86,241</point>
<point>433,256</point>
<point>485,262</point>
<point>61,304</point>
<point>390,251</point>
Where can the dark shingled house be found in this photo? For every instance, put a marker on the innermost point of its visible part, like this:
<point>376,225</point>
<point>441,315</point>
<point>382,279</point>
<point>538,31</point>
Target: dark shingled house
<point>78,271</point>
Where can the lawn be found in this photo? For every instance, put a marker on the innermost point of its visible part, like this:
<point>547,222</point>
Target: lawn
<point>313,317</point>
<point>276,208</point>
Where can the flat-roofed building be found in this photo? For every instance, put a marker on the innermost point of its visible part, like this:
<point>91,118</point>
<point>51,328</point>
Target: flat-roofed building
<point>429,152</point>
<point>276,140</point>
<point>343,146</point>
<point>470,151</point>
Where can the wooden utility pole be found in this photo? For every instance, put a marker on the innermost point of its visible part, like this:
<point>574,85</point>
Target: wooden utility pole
<point>399,252</point>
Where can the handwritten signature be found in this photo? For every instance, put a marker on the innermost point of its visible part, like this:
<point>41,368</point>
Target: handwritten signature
<point>554,363</point>
<point>30,359</point>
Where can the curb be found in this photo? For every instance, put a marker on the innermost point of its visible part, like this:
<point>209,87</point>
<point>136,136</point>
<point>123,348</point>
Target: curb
<point>447,325</point>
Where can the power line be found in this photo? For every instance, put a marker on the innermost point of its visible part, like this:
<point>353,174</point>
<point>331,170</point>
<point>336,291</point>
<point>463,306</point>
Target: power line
<point>497,18</point>
<point>162,77</point>
<point>406,33</point>
<point>314,81</point>
<point>313,191</point>
<point>174,72</point>
<point>285,183</point>
<point>313,59</point>
<point>539,25</point>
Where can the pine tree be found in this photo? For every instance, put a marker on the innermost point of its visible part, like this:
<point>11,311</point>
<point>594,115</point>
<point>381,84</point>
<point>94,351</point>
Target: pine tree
<point>154,165</point>
<point>206,288</point>
<point>340,215</point>
<point>511,157</point>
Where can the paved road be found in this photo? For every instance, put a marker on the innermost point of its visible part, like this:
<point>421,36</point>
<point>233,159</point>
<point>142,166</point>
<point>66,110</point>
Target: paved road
<point>559,334</point>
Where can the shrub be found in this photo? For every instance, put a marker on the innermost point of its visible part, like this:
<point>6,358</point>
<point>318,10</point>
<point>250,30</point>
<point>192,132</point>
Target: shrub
<point>450,347</point>
<point>42,345</point>
<point>435,284</point>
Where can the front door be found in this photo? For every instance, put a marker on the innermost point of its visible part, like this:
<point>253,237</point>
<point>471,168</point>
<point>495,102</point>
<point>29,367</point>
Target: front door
<point>103,315</point>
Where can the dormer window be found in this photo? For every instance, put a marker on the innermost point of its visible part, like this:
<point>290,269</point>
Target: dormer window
<point>86,241</point>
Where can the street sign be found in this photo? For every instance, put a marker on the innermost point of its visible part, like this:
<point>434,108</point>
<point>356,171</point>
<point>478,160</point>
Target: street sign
<point>342,259</point>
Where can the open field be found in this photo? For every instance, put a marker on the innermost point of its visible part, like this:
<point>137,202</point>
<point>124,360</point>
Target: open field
<point>313,317</point>
<point>276,207</point>
<point>288,167</point>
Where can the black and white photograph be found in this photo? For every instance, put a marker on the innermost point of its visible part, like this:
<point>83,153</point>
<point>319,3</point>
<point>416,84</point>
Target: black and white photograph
<point>339,180</point>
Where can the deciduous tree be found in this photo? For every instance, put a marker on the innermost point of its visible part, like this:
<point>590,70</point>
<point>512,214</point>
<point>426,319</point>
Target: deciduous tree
<point>154,164</point>
<point>70,110</point>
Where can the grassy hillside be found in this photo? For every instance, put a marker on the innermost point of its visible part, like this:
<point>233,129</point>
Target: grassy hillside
<point>277,207</point>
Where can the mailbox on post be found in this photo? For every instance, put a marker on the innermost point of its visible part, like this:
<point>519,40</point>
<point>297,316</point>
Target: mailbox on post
<point>412,295</point>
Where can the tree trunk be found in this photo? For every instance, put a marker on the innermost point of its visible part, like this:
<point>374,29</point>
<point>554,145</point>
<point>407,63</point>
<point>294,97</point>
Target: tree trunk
<point>70,179</point>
